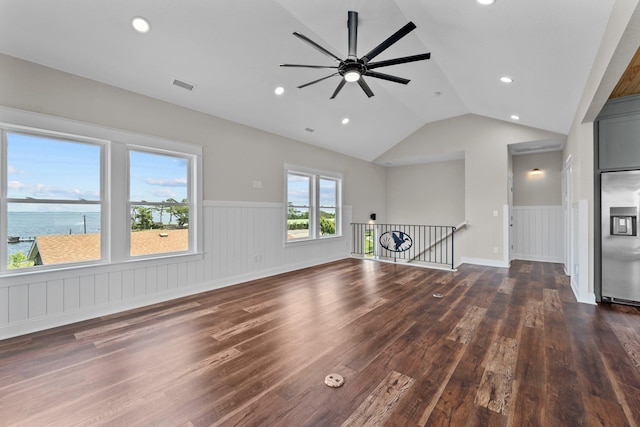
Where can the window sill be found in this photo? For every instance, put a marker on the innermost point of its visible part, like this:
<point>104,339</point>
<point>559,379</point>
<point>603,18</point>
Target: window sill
<point>310,241</point>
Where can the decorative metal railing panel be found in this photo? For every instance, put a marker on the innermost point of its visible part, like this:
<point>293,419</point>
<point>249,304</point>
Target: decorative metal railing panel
<point>432,244</point>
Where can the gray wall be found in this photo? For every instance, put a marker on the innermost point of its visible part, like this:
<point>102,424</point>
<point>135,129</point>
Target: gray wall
<point>234,155</point>
<point>537,190</point>
<point>426,194</point>
<point>484,142</point>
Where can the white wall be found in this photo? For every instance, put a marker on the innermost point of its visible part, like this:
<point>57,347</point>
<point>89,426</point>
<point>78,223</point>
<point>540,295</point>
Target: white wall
<point>484,142</point>
<point>426,194</point>
<point>538,233</point>
<point>243,227</point>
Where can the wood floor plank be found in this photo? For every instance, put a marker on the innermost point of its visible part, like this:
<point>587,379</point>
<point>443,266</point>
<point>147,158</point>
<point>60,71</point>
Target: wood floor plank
<point>534,316</point>
<point>506,287</point>
<point>630,340</point>
<point>379,405</point>
<point>501,347</point>
<point>467,325</point>
<point>552,300</point>
<point>455,403</point>
<point>496,386</point>
<point>245,326</point>
<point>352,315</point>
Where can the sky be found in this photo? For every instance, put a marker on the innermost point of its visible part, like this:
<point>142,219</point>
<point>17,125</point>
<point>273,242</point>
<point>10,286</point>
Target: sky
<point>43,168</point>
<point>298,191</point>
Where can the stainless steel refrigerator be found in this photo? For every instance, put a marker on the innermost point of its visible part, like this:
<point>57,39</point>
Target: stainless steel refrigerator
<point>620,241</point>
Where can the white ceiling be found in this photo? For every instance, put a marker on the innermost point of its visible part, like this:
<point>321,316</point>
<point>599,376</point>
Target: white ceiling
<point>230,50</point>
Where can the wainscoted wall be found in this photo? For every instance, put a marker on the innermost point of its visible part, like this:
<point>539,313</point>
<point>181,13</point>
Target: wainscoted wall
<point>538,233</point>
<point>242,241</point>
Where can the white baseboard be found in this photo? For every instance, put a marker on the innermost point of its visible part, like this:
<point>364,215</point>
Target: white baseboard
<point>538,258</point>
<point>588,298</point>
<point>500,263</point>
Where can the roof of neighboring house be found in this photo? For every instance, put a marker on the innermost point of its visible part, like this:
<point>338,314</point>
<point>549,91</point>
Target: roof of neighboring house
<point>64,248</point>
<point>151,242</point>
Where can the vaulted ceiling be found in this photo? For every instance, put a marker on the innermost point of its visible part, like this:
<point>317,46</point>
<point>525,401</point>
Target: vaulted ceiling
<point>230,51</point>
<point>629,83</point>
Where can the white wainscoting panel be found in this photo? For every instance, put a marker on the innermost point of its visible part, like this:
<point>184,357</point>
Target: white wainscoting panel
<point>538,233</point>
<point>241,241</point>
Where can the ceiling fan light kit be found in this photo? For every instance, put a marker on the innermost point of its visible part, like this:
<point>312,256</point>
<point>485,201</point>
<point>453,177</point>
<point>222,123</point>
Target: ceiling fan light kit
<point>353,69</point>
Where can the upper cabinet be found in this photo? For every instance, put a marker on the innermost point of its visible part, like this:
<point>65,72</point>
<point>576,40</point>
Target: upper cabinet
<point>618,134</point>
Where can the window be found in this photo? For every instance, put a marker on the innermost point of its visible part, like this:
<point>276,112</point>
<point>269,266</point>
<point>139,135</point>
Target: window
<point>328,206</point>
<point>53,200</point>
<point>66,200</point>
<point>298,206</point>
<point>159,203</point>
<point>313,205</point>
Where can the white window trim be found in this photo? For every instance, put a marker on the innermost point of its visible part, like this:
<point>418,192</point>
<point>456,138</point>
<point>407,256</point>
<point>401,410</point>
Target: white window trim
<point>115,225</point>
<point>314,225</point>
<point>192,205</point>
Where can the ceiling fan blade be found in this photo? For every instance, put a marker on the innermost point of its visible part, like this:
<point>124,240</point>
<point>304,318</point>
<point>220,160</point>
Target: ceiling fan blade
<point>339,88</point>
<point>388,42</point>
<point>403,60</point>
<point>352,24</point>
<point>365,87</point>
<point>309,66</point>
<point>316,81</point>
<point>317,46</point>
<point>387,77</point>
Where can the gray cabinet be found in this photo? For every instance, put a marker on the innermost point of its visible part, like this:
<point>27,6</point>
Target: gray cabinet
<point>619,142</point>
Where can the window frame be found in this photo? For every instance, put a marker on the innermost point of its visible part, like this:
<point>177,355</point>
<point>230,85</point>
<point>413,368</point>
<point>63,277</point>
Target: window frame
<point>115,217</point>
<point>314,202</point>
<point>102,202</point>
<point>130,203</point>
<point>337,207</point>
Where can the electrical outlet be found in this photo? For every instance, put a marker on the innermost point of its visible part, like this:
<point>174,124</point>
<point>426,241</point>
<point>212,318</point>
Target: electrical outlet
<point>257,184</point>
<point>495,249</point>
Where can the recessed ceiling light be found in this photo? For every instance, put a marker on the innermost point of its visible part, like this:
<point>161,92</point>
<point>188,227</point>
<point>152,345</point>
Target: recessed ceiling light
<point>345,120</point>
<point>141,25</point>
<point>506,79</point>
<point>486,2</point>
<point>515,117</point>
<point>279,90</point>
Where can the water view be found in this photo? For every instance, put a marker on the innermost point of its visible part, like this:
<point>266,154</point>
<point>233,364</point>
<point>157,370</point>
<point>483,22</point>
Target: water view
<point>27,225</point>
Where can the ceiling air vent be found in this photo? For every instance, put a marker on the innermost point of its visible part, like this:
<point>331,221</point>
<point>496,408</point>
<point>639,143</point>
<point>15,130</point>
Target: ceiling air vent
<point>182,84</point>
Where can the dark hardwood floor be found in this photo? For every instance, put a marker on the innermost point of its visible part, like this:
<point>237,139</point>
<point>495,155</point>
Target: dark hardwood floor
<point>501,347</point>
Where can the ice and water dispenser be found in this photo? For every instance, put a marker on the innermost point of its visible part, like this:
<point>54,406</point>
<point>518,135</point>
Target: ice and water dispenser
<point>624,221</point>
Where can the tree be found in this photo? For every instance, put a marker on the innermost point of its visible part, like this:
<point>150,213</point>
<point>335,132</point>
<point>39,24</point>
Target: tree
<point>160,209</point>
<point>293,213</point>
<point>327,226</point>
<point>170,209</point>
<point>18,260</point>
<point>142,218</point>
<point>181,213</point>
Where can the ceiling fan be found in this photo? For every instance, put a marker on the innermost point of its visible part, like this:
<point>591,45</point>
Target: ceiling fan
<point>353,68</point>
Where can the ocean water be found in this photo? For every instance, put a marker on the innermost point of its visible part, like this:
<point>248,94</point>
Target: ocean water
<point>31,224</point>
